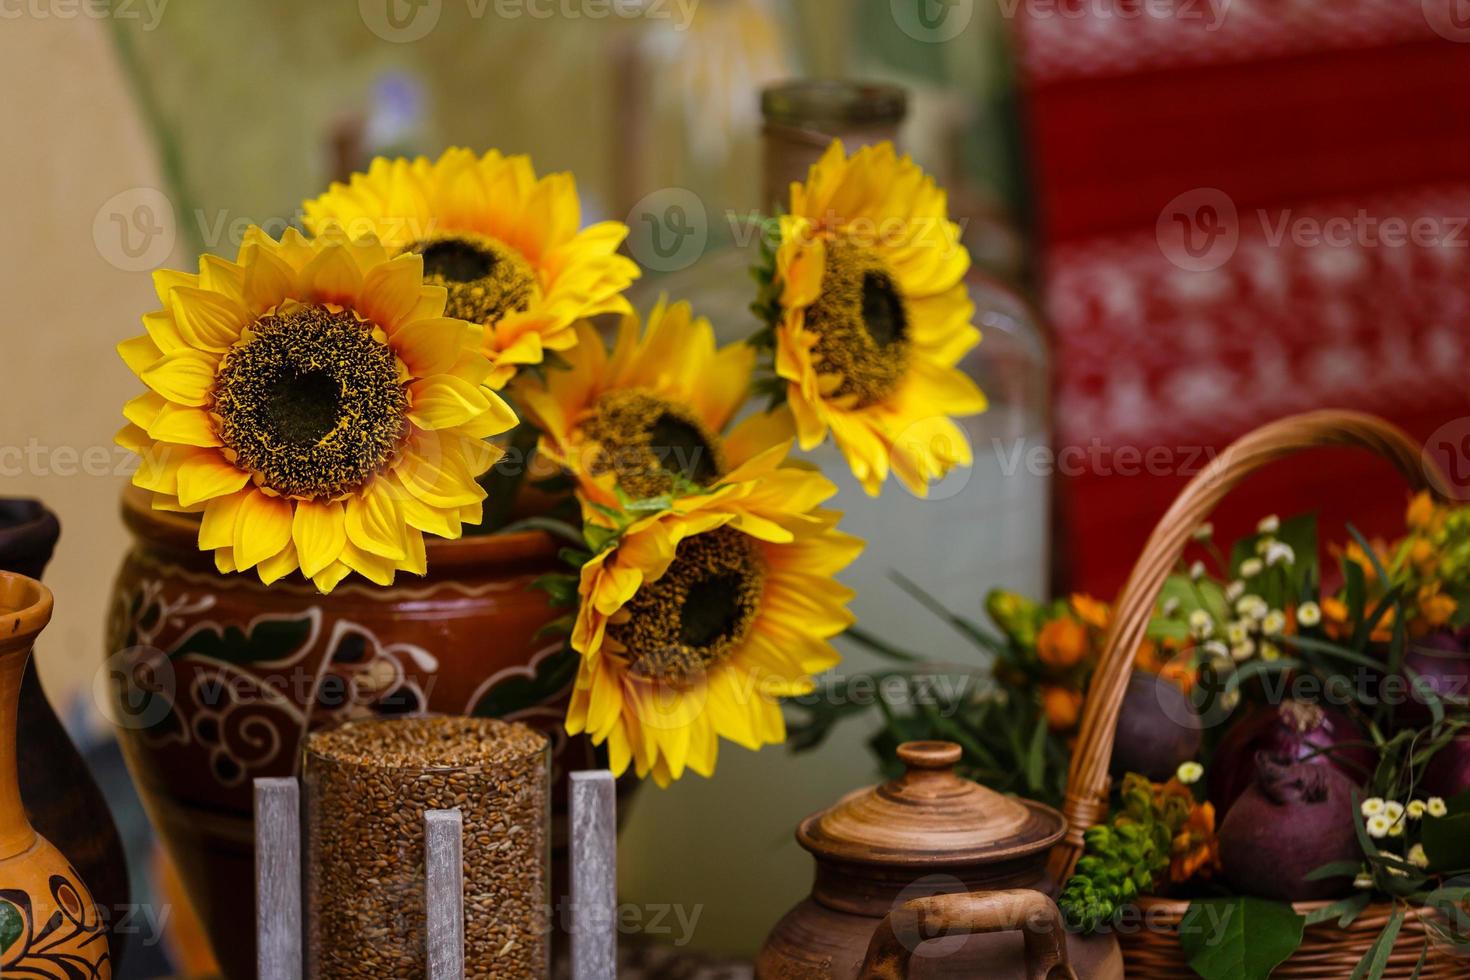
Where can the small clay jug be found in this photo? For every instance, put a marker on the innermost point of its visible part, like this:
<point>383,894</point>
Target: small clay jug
<point>931,876</point>
<point>49,925</point>
<point>60,795</point>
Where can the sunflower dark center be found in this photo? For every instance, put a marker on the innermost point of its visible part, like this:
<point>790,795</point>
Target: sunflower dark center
<point>486,279</point>
<point>698,613</point>
<point>310,402</point>
<point>651,444</point>
<point>456,260</point>
<point>862,325</point>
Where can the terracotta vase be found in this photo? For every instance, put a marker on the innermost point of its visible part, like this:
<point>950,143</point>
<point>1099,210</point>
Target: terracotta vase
<point>60,795</point>
<point>218,679</point>
<point>49,925</point>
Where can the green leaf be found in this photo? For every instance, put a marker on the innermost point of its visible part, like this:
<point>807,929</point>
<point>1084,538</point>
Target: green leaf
<point>1036,755</point>
<point>1446,841</point>
<point>1344,908</point>
<point>547,679</point>
<point>1371,966</point>
<point>879,646</point>
<point>1239,938</point>
<point>12,925</point>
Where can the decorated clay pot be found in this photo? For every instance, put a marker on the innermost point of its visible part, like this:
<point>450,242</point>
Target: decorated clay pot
<point>61,798</point>
<point>218,679</point>
<point>49,925</point>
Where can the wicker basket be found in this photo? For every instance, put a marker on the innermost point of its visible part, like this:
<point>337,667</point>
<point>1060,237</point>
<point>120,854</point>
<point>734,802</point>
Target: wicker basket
<point>1326,951</point>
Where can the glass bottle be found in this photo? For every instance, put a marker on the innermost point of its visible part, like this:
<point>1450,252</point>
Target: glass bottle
<point>981,528</point>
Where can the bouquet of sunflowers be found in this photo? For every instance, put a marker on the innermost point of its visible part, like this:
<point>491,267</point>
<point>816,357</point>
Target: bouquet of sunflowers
<point>430,355</point>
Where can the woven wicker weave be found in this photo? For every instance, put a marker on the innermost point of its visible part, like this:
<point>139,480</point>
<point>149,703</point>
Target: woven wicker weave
<point>1326,951</point>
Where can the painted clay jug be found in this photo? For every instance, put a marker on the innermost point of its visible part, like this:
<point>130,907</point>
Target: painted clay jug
<point>932,876</point>
<point>49,925</point>
<point>60,795</point>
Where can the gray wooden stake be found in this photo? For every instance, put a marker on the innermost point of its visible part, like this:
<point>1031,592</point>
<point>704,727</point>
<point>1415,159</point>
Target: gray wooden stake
<point>278,879</point>
<point>444,892</point>
<point>594,876</point>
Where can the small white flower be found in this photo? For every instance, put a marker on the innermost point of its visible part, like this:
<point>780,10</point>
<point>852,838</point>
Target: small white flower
<point>1393,809</point>
<point>1170,606</point>
<point>1189,773</point>
<point>1197,571</point>
<point>1217,649</point>
<point>1264,544</point>
<point>1280,553</point>
<point>1253,606</point>
<point>1242,651</point>
<point>1363,880</point>
<point>1416,809</point>
<point>1397,828</point>
<point>1274,622</point>
<point>1250,568</point>
<point>1234,590</point>
<point>1270,652</point>
<point>1378,825</point>
<point>1417,857</point>
<point>1309,614</point>
<point>1269,524</point>
<point>1397,872</point>
<point>1201,625</point>
<point>1204,532</point>
<point>1372,806</point>
<point>1435,807</point>
<point>1238,632</point>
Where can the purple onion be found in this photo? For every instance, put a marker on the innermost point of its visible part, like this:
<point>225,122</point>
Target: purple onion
<point>1298,731</point>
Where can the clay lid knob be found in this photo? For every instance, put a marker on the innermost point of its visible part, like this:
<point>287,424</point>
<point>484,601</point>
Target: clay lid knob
<point>929,756</point>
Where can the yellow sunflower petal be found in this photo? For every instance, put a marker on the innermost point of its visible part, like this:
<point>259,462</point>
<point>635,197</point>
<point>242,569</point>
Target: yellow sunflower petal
<point>262,529</point>
<point>206,475</point>
<point>185,377</point>
<point>319,531</point>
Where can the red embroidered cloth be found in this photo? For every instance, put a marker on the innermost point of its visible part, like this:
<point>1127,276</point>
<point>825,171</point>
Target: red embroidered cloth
<point>1246,209</point>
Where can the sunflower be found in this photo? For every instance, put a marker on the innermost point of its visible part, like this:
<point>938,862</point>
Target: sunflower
<point>314,404</point>
<point>506,245</point>
<point>870,315</point>
<point>649,418</point>
<point>698,618</point>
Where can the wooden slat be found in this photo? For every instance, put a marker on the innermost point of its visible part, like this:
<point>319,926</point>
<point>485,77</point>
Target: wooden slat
<point>444,892</point>
<point>278,879</point>
<point>594,888</point>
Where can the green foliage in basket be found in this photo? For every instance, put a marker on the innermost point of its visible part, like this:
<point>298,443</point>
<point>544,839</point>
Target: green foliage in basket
<point>1125,857</point>
<point>996,710</point>
<point>1239,938</point>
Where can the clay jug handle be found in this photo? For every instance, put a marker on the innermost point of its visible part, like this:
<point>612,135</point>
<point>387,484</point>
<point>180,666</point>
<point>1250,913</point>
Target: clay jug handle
<point>1024,909</point>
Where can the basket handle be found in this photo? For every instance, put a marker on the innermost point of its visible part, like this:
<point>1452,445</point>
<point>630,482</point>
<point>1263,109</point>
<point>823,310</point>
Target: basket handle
<point>1024,909</point>
<point>1087,779</point>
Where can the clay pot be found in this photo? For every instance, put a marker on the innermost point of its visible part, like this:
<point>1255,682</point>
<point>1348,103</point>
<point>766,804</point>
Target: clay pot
<point>220,678</point>
<point>61,797</point>
<point>49,925</point>
<point>930,876</point>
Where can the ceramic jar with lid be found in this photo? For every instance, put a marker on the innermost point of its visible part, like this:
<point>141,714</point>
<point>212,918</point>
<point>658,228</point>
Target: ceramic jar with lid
<point>930,876</point>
